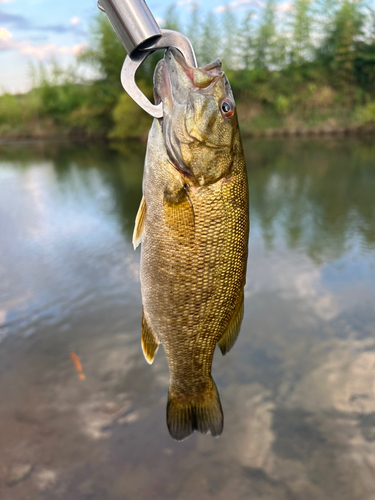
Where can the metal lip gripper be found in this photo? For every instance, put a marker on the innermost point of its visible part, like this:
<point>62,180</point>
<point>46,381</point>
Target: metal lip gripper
<point>140,35</point>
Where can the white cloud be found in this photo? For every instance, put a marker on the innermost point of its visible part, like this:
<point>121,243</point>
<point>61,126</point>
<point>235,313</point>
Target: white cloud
<point>238,4</point>
<point>256,4</point>
<point>5,34</point>
<point>38,51</point>
<point>42,52</point>
<point>74,20</point>
<point>284,7</point>
<point>74,50</point>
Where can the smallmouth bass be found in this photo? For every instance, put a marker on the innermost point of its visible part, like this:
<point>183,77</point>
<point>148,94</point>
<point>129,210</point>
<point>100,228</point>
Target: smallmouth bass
<point>193,223</point>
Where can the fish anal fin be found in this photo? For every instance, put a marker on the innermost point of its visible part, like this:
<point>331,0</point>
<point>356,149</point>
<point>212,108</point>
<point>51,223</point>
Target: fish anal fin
<point>230,335</point>
<point>139,223</point>
<point>202,413</point>
<point>150,344</point>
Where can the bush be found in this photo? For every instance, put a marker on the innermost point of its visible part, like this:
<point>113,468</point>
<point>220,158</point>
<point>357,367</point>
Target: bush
<point>366,114</point>
<point>17,109</point>
<point>130,121</point>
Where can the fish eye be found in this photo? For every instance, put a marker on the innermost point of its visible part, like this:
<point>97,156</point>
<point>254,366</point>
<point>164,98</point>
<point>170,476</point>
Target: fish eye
<point>227,108</point>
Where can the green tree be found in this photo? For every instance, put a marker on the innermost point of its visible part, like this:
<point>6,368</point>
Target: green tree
<point>364,62</point>
<point>230,55</point>
<point>301,26</point>
<point>265,38</point>
<point>210,37</point>
<point>172,21</point>
<point>247,41</point>
<point>347,28</point>
<point>106,54</point>
<point>194,31</point>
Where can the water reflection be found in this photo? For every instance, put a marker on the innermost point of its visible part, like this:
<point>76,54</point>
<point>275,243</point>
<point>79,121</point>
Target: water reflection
<point>298,388</point>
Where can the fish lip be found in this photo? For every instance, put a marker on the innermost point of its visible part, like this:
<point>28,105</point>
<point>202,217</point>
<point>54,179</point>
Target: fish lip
<point>174,77</point>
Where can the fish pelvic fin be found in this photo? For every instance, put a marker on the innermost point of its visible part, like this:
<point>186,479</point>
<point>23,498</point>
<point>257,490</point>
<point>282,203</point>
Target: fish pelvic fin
<point>230,335</point>
<point>139,223</point>
<point>202,413</point>
<point>150,344</point>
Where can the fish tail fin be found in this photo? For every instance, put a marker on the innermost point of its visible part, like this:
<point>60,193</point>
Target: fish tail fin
<point>202,413</point>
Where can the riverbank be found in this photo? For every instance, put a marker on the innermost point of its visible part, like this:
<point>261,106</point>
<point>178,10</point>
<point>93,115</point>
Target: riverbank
<point>76,135</point>
<point>311,131</point>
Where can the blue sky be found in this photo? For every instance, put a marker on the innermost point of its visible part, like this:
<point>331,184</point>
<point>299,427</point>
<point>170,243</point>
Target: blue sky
<point>42,30</point>
<point>38,30</point>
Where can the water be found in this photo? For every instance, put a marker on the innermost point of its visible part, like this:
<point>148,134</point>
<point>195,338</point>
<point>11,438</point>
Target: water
<point>298,388</point>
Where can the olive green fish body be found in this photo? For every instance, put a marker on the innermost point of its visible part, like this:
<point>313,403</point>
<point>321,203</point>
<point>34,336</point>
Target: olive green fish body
<point>193,265</point>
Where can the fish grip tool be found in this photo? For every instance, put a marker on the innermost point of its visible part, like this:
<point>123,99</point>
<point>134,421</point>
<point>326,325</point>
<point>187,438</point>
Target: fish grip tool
<point>140,35</point>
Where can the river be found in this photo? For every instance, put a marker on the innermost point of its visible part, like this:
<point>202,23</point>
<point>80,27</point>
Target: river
<point>297,389</point>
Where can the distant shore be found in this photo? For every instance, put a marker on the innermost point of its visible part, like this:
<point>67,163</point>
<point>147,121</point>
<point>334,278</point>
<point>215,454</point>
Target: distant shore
<point>79,136</point>
<point>312,131</point>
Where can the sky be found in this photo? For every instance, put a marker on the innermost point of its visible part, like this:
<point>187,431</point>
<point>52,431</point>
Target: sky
<point>44,30</point>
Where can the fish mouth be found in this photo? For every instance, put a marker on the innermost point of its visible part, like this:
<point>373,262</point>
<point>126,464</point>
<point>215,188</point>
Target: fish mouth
<point>174,82</point>
<point>174,78</point>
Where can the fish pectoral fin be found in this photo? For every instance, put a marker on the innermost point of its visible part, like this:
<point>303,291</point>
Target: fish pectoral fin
<point>229,338</point>
<point>150,344</point>
<point>179,215</point>
<point>139,223</point>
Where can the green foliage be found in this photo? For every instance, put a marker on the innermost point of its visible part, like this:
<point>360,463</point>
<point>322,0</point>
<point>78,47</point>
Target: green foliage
<point>265,39</point>
<point>347,27</point>
<point>364,65</point>
<point>211,39</point>
<point>106,54</point>
<point>366,114</point>
<point>58,101</point>
<point>301,29</point>
<point>247,40</point>
<point>230,27</point>
<point>343,30</point>
<point>172,21</point>
<point>130,121</point>
<point>282,104</point>
<point>16,109</point>
<point>194,31</point>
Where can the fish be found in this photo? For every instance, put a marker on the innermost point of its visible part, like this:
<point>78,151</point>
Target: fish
<point>193,226</point>
<point>77,365</point>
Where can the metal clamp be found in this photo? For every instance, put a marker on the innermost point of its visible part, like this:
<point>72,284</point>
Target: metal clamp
<point>135,59</point>
<point>132,21</point>
<point>140,35</point>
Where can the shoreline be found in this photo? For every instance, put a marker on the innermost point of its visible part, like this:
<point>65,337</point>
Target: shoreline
<point>354,130</point>
<point>312,131</point>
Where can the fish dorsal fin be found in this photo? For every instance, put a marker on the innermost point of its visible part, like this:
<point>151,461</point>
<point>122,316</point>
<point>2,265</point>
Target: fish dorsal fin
<point>150,344</point>
<point>229,338</point>
<point>180,217</point>
<point>139,223</point>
